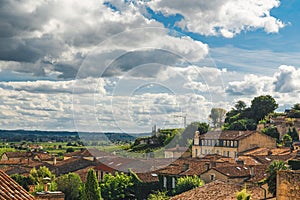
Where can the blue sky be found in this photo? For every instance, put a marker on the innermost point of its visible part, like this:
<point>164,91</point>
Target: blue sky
<point>127,65</point>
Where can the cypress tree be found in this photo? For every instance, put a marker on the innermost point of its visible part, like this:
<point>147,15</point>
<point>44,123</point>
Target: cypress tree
<point>91,188</point>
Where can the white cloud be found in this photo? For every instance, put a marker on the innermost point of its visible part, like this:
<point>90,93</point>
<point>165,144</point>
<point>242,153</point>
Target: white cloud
<point>221,17</point>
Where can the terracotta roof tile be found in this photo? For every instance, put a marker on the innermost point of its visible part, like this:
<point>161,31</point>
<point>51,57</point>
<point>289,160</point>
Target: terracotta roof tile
<point>227,135</point>
<point>217,190</point>
<point>11,190</point>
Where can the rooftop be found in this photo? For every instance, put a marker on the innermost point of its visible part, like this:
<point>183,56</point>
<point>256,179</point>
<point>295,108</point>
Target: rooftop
<point>217,190</point>
<point>11,190</point>
<point>226,135</point>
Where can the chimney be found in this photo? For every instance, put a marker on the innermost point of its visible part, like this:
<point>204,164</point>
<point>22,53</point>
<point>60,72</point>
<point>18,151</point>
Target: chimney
<point>213,164</point>
<point>46,181</point>
<point>186,166</point>
<point>207,166</point>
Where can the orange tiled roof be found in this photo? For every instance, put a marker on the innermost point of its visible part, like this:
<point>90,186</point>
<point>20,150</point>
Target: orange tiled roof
<point>11,190</point>
<point>217,190</point>
<point>227,135</point>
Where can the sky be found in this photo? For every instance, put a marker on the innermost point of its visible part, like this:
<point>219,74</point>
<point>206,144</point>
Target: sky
<point>124,66</point>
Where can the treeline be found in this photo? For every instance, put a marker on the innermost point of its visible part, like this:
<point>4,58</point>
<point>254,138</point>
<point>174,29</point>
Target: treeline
<point>61,136</point>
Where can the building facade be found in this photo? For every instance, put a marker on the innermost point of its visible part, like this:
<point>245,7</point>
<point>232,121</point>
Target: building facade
<point>229,143</point>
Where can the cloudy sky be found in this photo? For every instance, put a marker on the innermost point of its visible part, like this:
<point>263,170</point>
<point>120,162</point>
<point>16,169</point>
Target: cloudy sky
<point>124,66</point>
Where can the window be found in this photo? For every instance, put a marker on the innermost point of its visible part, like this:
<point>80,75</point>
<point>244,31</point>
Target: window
<point>231,144</point>
<point>165,182</point>
<point>173,183</point>
<point>228,153</point>
<point>212,177</point>
<point>196,152</point>
<point>235,143</point>
<point>209,142</point>
<point>235,154</point>
<point>101,175</point>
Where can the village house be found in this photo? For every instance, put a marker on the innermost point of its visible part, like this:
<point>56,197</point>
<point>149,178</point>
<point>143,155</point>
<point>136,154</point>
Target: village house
<point>229,143</point>
<point>16,156</point>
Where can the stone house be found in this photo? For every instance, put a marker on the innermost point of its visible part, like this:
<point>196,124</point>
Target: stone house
<point>16,156</point>
<point>229,143</point>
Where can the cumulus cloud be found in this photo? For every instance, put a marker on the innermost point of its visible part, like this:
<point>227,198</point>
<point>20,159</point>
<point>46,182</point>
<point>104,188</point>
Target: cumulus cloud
<point>287,79</point>
<point>226,17</point>
<point>283,85</point>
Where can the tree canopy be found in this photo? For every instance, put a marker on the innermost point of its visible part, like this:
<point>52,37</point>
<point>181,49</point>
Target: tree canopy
<point>202,127</point>
<point>217,116</point>
<point>241,117</point>
<point>70,184</point>
<point>187,183</point>
<point>262,106</point>
<point>91,189</point>
<point>274,167</point>
<point>117,186</point>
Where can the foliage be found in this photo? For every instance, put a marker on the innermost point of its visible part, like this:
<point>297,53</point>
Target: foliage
<point>240,105</point>
<point>187,183</point>
<point>70,185</point>
<point>274,167</point>
<point>217,116</point>
<point>295,111</point>
<point>263,105</point>
<point>70,150</point>
<point>246,118</point>
<point>286,139</point>
<point>38,175</point>
<point>159,196</point>
<point>294,134</point>
<point>91,189</point>
<point>241,125</point>
<point>24,181</point>
<point>272,132</point>
<point>4,150</point>
<point>201,127</point>
<point>118,186</point>
<point>243,195</point>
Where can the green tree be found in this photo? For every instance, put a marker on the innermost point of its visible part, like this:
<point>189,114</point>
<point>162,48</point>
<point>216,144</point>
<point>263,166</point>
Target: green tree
<point>159,196</point>
<point>24,181</point>
<point>117,186</point>
<point>262,106</point>
<point>294,134</point>
<point>274,167</point>
<point>240,105</point>
<point>70,185</point>
<point>187,183</point>
<point>243,195</point>
<point>217,116</point>
<point>38,177</point>
<point>286,139</point>
<point>202,127</point>
<point>91,189</point>
<point>272,132</point>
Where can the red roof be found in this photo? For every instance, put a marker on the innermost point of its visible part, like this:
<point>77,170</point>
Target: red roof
<point>11,190</point>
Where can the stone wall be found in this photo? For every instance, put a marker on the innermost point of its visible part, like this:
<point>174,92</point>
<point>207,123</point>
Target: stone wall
<point>288,185</point>
<point>256,140</point>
